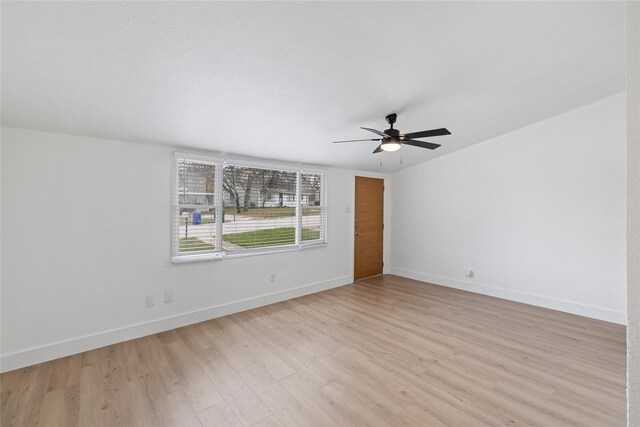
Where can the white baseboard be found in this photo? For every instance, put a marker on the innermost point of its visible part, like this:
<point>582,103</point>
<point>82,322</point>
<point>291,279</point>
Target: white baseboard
<point>537,300</point>
<point>31,356</point>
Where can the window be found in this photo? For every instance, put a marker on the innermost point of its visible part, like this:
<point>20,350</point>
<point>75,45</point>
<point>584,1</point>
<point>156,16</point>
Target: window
<point>228,209</point>
<point>312,206</point>
<point>195,214</point>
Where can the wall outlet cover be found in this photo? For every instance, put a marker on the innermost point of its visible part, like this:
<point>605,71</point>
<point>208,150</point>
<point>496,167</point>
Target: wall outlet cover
<point>168,297</point>
<point>151,300</point>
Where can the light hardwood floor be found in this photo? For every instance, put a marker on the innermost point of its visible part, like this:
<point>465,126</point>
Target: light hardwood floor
<point>385,351</point>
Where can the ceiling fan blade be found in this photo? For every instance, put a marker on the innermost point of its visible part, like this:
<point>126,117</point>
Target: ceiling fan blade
<point>377,132</point>
<point>357,140</point>
<point>378,150</point>
<point>421,144</point>
<point>427,133</point>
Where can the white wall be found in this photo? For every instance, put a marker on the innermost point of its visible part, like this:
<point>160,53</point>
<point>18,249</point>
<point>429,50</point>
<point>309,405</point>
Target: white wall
<point>538,214</point>
<point>86,235</point>
<point>633,213</point>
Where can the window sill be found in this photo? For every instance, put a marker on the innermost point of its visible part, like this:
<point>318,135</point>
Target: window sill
<point>182,259</point>
<point>217,256</point>
<point>312,245</point>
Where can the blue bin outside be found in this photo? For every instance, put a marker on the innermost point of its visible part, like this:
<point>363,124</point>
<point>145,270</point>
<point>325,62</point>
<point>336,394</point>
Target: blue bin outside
<point>197,218</point>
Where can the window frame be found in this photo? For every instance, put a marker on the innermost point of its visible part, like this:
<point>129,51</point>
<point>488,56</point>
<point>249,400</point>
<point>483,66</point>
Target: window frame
<point>220,164</point>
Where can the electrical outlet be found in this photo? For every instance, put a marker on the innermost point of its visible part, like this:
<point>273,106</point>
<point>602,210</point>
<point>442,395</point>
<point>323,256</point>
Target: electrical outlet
<point>151,300</point>
<point>272,277</point>
<point>168,297</point>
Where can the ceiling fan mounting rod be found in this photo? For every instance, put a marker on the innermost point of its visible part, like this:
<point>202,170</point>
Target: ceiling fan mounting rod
<point>391,119</point>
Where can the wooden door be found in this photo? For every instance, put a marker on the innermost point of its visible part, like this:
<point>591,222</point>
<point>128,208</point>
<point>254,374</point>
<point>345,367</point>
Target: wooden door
<point>368,227</point>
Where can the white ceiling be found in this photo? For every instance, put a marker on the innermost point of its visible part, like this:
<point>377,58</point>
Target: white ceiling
<point>282,80</point>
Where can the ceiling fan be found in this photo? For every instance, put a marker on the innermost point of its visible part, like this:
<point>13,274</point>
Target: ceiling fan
<point>392,139</point>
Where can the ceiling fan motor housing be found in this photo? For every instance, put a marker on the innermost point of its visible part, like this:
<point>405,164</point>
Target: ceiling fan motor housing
<point>393,133</point>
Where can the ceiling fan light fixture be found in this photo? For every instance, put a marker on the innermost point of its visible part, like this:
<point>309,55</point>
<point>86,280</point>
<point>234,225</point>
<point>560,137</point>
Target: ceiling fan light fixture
<point>391,145</point>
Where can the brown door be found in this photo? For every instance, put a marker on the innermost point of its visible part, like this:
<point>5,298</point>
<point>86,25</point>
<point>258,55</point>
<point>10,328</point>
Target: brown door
<point>368,227</point>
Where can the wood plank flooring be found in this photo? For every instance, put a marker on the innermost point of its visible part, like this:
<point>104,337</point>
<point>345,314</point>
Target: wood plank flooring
<point>386,351</point>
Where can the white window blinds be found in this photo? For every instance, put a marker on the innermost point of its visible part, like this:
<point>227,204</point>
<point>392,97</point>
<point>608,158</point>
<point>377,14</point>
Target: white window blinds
<point>260,208</point>
<point>234,208</point>
<point>313,207</point>
<point>195,211</point>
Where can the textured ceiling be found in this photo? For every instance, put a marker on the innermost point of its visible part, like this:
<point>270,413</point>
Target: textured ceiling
<point>281,80</point>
